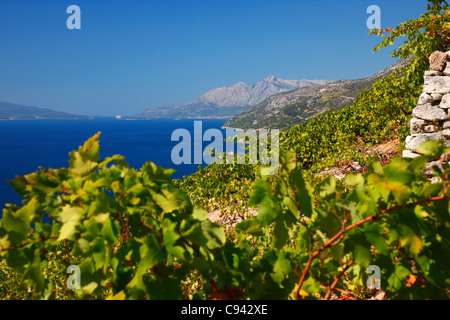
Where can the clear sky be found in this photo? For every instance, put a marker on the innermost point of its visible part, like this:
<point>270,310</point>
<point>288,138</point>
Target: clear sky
<point>133,54</point>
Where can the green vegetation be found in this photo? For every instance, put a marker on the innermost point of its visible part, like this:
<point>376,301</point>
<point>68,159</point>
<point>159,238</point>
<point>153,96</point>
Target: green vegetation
<point>332,95</point>
<point>221,186</point>
<point>244,121</point>
<point>136,234</point>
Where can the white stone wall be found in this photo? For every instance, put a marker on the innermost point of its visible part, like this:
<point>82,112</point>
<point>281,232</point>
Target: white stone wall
<point>431,116</point>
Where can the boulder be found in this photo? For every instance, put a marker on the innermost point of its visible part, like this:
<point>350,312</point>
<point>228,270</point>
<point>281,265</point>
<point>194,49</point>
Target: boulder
<point>438,60</point>
<point>430,128</point>
<point>430,167</point>
<point>413,142</point>
<point>430,113</point>
<point>409,154</point>
<point>436,84</point>
<point>447,69</point>
<point>416,125</point>
<point>424,98</point>
<point>445,102</point>
<point>446,133</point>
<point>446,125</point>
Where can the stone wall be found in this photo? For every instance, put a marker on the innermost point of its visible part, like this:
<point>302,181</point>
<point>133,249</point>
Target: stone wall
<point>431,116</point>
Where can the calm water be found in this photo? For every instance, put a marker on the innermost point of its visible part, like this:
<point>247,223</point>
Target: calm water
<point>27,144</point>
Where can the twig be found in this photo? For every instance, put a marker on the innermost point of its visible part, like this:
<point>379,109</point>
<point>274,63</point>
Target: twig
<point>336,280</point>
<point>26,244</point>
<point>344,230</point>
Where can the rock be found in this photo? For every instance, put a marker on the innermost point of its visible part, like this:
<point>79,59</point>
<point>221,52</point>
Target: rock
<point>341,172</point>
<point>446,125</point>
<point>446,133</point>
<point>436,96</point>
<point>445,157</point>
<point>415,141</point>
<point>416,125</point>
<point>438,60</point>
<point>409,154</point>
<point>436,180</point>
<point>429,168</point>
<point>429,112</point>
<point>338,173</point>
<point>445,102</point>
<point>380,295</point>
<point>447,69</point>
<point>430,128</point>
<point>436,84</point>
<point>432,73</point>
<point>409,138</point>
<point>424,98</point>
<point>356,167</point>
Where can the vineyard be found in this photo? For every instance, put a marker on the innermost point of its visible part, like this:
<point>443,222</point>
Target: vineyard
<point>138,234</point>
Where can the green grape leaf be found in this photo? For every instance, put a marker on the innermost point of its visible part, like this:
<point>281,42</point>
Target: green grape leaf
<point>268,211</point>
<point>70,218</point>
<point>327,186</point>
<point>303,192</point>
<point>280,233</point>
<point>110,231</point>
<point>373,235</point>
<point>259,193</point>
<point>397,279</point>
<point>281,268</point>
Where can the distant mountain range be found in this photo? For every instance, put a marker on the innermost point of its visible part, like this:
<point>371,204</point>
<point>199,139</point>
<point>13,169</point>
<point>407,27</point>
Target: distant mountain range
<point>286,109</point>
<point>11,111</point>
<point>270,103</point>
<point>229,101</point>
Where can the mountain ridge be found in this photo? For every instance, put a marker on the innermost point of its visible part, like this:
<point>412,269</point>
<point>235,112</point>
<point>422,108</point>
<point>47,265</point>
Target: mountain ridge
<point>228,101</point>
<point>13,111</point>
<point>285,109</point>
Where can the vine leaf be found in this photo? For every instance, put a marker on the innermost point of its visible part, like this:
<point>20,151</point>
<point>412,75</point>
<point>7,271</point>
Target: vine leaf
<point>70,218</point>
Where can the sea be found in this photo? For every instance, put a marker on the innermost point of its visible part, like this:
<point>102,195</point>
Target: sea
<point>27,144</point>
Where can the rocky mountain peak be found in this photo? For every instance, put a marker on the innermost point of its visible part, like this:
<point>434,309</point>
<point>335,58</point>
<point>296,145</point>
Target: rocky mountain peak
<point>271,79</point>
<point>229,100</point>
<point>296,101</point>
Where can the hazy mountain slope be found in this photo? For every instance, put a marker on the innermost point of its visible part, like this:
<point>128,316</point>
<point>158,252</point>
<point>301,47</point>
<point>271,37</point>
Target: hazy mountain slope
<point>228,101</point>
<point>16,111</point>
<point>285,109</point>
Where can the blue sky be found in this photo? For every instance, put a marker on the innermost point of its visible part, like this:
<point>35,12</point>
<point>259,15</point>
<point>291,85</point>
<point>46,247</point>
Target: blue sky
<point>134,54</point>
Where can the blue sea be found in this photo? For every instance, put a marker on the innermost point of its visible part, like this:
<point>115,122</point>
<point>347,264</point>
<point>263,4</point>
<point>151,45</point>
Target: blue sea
<point>27,144</point>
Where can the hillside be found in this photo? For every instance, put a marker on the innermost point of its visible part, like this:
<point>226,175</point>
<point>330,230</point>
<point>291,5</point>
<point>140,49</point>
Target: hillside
<point>11,111</point>
<point>229,101</point>
<point>283,110</point>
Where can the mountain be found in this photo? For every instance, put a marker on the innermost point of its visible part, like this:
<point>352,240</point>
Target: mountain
<point>286,109</point>
<point>11,111</point>
<point>228,101</point>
